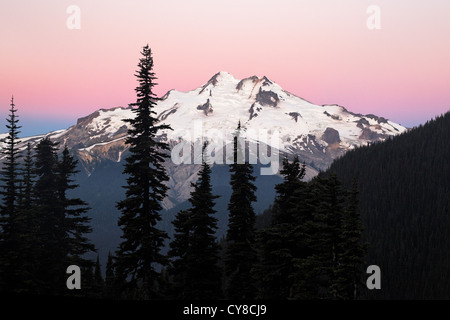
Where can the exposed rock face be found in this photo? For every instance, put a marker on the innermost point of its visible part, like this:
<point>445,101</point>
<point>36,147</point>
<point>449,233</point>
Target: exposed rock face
<point>368,134</point>
<point>266,81</point>
<point>253,111</point>
<point>378,119</point>
<point>163,115</point>
<point>91,157</point>
<point>213,81</point>
<point>206,107</point>
<point>253,79</point>
<point>85,120</point>
<point>268,98</point>
<point>361,123</point>
<point>331,136</point>
<point>164,97</point>
<point>295,115</point>
<point>332,116</point>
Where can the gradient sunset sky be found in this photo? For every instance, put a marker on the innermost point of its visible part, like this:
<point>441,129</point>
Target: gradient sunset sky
<point>321,51</point>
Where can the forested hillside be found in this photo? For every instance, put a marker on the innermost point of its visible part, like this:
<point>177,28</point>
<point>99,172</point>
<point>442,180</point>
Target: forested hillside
<point>404,186</point>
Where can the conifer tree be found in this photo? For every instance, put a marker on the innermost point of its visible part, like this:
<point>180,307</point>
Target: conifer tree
<point>61,220</point>
<point>76,221</point>
<point>315,273</point>
<point>30,250</point>
<point>203,274</point>
<point>51,236</point>
<point>87,282</point>
<point>283,242</point>
<point>12,222</point>
<point>240,257</point>
<point>195,269</point>
<point>28,178</point>
<point>110,279</point>
<point>348,274</point>
<point>139,253</point>
<point>330,212</point>
<point>178,254</point>
<point>98,283</point>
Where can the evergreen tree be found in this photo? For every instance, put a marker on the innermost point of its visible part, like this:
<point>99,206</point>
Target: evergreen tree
<point>240,255</point>
<point>61,220</point>
<point>330,212</point>
<point>87,282</point>
<point>98,283</point>
<point>76,222</point>
<point>28,178</point>
<point>12,222</point>
<point>139,252</point>
<point>283,241</point>
<point>285,200</point>
<point>30,250</point>
<point>195,271</point>
<point>110,279</point>
<point>179,255</point>
<point>315,273</point>
<point>51,236</point>
<point>348,274</point>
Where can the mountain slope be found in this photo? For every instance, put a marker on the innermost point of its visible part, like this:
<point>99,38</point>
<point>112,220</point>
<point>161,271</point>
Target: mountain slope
<point>404,187</point>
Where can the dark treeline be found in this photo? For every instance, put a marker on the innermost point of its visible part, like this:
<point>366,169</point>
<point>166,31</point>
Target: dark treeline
<point>308,246</point>
<point>405,196</point>
<point>42,228</point>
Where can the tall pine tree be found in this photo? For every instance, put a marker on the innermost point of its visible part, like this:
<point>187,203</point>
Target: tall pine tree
<point>195,268</point>
<point>51,236</point>
<point>330,212</point>
<point>179,254</point>
<point>110,291</point>
<point>139,253</point>
<point>283,241</point>
<point>28,178</point>
<point>76,221</point>
<point>315,273</point>
<point>98,283</point>
<point>240,257</point>
<point>31,228</point>
<point>12,222</point>
<point>348,273</point>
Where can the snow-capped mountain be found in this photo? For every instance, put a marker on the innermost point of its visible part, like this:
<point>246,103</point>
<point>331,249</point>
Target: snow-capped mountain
<point>259,103</point>
<point>317,133</point>
<point>267,113</point>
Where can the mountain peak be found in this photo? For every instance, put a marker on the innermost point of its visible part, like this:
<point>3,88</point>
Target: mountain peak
<point>224,74</point>
<point>227,78</point>
<point>220,76</point>
<point>264,78</point>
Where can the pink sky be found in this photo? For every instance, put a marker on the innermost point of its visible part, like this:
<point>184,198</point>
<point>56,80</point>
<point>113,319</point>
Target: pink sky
<point>321,51</point>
